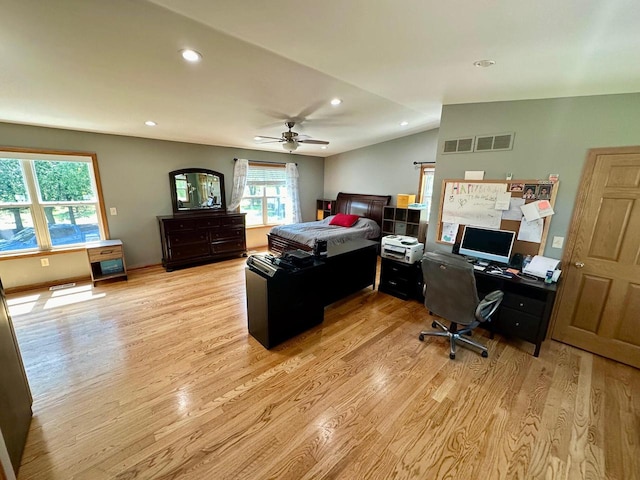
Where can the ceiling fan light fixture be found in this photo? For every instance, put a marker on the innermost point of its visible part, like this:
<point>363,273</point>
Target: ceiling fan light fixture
<point>290,146</point>
<point>191,55</point>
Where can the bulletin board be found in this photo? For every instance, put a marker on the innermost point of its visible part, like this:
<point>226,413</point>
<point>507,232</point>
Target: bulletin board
<point>473,202</point>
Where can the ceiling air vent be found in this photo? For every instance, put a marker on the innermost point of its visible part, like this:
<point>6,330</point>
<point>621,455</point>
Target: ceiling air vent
<point>492,143</point>
<point>458,145</point>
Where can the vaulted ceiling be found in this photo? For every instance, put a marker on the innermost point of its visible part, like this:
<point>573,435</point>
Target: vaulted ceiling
<point>109,66</point>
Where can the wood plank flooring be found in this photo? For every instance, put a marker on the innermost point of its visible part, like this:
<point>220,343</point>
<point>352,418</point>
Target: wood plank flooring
<point>157,378</point>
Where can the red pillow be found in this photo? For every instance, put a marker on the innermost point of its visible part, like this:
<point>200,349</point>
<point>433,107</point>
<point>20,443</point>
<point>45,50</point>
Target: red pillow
<point>344,220</point>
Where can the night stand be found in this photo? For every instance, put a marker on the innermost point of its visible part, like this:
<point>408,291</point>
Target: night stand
<point>106,259</point>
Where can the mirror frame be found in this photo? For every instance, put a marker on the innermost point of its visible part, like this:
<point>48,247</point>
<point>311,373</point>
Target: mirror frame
<point>174,192</point>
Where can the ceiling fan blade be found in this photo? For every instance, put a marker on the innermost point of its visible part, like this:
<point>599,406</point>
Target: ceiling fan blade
<point>262,137</point>
<point>314,142</point>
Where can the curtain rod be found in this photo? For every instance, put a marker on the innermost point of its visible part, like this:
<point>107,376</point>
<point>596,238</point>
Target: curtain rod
<point>423,163</point>
<point>264,161</point>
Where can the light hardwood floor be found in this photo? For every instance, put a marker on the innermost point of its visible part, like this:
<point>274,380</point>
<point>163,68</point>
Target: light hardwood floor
<point>157,378</point>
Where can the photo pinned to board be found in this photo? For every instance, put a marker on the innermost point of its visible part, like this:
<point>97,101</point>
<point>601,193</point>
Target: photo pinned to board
<point>544,191</point>
<point>530,192</point>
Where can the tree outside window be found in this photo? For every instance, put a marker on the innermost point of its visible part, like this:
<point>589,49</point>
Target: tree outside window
<point>47,202</point>
<point>265,195</point>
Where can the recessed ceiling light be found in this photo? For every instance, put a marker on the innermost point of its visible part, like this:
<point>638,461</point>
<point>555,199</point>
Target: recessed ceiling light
<point>404,124</point>
<point>335,102</point>
<point>484,63</point>
<point>150,123</point>
<point>257,139</point>
<point>323,147</point>
<point>190,55</point>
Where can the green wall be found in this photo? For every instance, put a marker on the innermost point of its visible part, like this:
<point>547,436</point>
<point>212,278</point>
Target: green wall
<point>134,177</point>
<point>551,136</point>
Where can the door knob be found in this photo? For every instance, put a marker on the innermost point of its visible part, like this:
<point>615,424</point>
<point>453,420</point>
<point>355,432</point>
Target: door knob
<point>579,264</point>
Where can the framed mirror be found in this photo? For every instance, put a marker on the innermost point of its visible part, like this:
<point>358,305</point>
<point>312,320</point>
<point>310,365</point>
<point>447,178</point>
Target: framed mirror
<point>197,189</point>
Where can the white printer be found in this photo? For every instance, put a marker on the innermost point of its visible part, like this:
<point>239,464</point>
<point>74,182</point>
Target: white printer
<point>402,248</point>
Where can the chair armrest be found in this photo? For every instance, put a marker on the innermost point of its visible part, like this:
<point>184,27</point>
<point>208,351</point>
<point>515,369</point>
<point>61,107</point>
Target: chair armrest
<point>488,305</point>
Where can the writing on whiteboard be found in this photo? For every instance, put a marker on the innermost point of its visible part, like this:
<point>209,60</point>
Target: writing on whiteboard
<point>471,203</point>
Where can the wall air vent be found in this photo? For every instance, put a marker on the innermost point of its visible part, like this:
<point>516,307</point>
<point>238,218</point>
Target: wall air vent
<point>493,143</point>
<point>458,145</point>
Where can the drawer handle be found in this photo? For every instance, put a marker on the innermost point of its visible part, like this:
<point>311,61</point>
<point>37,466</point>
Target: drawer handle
<point>517,324</point>
<point>106,252</point>
<point>392,283</point>
<point>521,304</point>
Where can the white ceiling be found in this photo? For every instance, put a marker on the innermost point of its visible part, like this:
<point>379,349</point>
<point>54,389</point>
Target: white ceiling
<point>107,66</point>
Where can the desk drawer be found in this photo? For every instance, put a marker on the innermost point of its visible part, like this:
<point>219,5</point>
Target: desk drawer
<point>515,323</point>
<point>523,304</point>
<point>104,253</point>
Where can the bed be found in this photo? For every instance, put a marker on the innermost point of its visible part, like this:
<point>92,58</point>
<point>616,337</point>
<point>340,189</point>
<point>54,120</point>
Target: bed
<point>303,235</point>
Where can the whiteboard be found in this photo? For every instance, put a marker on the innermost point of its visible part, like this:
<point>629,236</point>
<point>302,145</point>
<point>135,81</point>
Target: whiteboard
<point>470,203</point>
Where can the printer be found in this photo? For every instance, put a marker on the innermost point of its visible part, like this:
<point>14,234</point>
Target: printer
<point>401,248</point>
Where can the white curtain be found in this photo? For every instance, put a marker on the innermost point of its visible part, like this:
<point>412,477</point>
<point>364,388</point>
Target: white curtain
<point>293,213</point>
<point>239,182</point>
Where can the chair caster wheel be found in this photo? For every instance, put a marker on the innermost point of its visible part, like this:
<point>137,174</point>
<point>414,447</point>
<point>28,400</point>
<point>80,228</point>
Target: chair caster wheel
<point>484,354</point>
<point>421,337</point>
<point>452,356</point>
<point>434,325</point>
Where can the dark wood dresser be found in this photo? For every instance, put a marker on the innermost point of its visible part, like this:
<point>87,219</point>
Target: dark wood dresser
<point>191,239</point>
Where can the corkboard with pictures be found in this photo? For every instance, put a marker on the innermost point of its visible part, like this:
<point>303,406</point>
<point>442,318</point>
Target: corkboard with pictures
<point>496,204</point>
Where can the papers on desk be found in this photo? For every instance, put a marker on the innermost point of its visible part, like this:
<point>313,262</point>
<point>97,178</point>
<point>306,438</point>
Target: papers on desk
<point>540,265</point>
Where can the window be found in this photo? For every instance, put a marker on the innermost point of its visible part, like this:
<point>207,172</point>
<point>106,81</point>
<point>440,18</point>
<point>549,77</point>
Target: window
<point>265,195</point>
<point>426,187</point>
<point>48,201</point>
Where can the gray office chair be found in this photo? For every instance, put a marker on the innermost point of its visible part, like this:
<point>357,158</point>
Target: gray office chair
<point>450,292</point>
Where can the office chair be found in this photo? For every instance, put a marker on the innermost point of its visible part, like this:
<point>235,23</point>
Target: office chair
<point>450,292</point>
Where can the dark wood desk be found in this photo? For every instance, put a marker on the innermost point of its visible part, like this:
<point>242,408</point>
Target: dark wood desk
<point>290,302</point>
<point>525,310</point>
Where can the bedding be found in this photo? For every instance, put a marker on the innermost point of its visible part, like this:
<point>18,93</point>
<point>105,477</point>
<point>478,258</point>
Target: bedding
<point>364,206</point>
<point>307,233</point>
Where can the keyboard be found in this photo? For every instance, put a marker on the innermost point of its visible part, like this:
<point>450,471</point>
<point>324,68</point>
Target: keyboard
<point>479,267</point>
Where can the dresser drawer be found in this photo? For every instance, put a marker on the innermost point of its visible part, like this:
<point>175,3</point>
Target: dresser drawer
<point>104,253</point>
<point>186,238</point>
<point>523,304</point>
<point>516,323</point>
<point>228,246</point>
<point>227,233</point>
<point>190,251</point>
<point>399,271</point>
<point>235,221</point>
<point>209,222</point>
<point>179,225</point>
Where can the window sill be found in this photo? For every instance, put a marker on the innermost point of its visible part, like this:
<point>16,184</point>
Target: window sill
<point>251,227</point>
<point>41,253</point>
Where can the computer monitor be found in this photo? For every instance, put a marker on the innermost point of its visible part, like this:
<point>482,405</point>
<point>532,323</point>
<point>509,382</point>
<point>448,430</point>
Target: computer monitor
<point>487,244</point>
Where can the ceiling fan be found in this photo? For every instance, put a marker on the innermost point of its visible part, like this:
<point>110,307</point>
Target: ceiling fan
<point>291,140</point>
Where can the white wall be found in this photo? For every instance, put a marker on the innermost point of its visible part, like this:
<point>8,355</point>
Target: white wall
<point>134,177</point>
<point>382,169</point>
<point>551,136</point>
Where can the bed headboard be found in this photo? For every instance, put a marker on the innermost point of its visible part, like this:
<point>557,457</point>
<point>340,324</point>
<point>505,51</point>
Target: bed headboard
<point>368,206</point>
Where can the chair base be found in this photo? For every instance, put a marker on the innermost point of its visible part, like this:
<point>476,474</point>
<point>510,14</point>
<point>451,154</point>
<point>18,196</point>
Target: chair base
<point>454,336</point>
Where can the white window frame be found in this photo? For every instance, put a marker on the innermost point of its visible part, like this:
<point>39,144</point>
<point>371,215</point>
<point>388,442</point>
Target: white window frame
<point>427,176</point>
<point>265,197</point>
<point>37,205</point>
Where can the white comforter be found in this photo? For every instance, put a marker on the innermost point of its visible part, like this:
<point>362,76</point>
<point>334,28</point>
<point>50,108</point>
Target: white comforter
<point>308,232</point>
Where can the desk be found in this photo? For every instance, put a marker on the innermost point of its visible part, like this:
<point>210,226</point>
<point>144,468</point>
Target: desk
<point>525,310</point>
<point>290,302</point>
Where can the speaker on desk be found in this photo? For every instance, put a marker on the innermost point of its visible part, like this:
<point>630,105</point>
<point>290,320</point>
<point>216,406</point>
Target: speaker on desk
<point>516,261</point>
<point>456,249</point>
